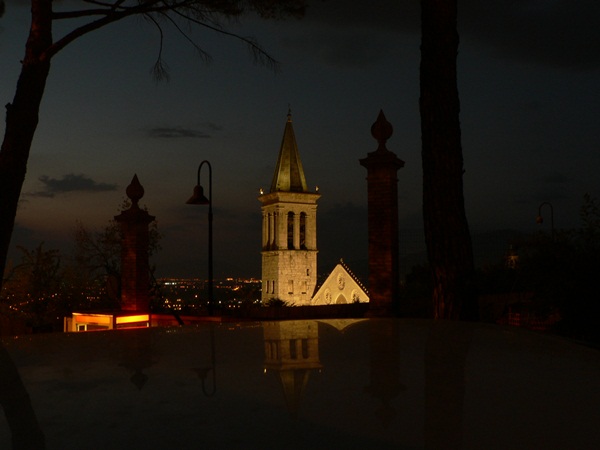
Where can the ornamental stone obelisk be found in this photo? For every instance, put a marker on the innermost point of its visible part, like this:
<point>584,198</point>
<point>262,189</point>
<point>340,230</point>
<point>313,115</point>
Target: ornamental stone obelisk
<point>135,267</point>
<point>382,182</point>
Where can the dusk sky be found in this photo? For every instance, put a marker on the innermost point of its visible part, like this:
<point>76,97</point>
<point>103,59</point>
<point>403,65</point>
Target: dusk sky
<point>529,83</point>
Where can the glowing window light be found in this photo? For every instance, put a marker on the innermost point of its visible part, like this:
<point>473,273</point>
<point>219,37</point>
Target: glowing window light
<point>131,319</point>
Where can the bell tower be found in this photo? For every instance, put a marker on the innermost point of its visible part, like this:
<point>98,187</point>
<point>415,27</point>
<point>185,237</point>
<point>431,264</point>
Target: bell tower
<point>289,229</point>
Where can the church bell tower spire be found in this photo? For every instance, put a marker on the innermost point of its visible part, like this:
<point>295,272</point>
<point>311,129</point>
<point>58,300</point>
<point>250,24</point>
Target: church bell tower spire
<point>289,231</point>
<point>289,174</point>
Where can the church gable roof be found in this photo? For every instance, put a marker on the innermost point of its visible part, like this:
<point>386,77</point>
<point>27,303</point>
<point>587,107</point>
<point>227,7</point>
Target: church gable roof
<point>289,174</point>
<point>341,286</point>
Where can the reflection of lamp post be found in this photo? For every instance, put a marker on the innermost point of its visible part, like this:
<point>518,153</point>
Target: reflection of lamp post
<point>198,198</point>
<point>539,219</point>
<point>203,372</point>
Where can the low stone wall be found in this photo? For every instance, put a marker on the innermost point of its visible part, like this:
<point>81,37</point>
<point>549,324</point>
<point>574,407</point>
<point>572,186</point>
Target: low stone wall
<point>354,310</point>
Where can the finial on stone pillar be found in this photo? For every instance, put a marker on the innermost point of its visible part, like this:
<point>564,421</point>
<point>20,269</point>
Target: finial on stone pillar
<point>382,185</point>
<point>135,272</point>
<point>381,130</point>
<point>135,191</point>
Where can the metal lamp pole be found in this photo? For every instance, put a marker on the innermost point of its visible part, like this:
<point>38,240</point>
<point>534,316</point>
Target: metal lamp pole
<point>539,219</point>
<point>198,198</point>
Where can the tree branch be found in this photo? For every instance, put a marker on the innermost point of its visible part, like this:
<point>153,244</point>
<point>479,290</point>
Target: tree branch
<point>114,12</point>
<point>259,53</point>
<point>205,56</point>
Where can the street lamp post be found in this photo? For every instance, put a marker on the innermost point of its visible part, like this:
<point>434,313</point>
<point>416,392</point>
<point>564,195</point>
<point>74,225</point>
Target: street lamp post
<point>198,198</point>
<point>539,219</point>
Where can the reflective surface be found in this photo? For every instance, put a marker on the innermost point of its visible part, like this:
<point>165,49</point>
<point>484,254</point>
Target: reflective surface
<point>347,384</point>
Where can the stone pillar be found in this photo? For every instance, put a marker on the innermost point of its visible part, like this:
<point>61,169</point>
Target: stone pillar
<point>281,229</point>
<point>265,231</point>
<point>297,231</point>
<point>382,183</point>
<point>135,267</point>
<point>271,232</point>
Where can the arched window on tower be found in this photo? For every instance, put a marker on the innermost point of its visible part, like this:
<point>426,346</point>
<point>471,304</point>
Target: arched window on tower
<point>290,230</point>
<point>303,231</point>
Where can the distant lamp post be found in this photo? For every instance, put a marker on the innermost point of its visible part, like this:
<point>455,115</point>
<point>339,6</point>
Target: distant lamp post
<point>198,198</point>
<point>539,219</point>
<point>512,258</point>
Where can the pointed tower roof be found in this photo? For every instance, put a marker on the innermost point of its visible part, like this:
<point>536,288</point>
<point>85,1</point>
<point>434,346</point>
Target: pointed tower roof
<point>289,174</point>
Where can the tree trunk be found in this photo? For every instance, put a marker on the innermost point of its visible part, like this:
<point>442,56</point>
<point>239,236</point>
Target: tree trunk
<point>22,120</point>
<point>446,230</point>
<point>20,415</point>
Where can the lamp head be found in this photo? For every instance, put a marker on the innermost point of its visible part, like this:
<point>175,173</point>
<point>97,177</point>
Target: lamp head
<point>539,220</point>
<point>198,197</point>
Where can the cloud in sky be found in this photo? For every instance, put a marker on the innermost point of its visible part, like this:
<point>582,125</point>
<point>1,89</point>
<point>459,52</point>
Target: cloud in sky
<point>182,132</point>
<point>70,183</point>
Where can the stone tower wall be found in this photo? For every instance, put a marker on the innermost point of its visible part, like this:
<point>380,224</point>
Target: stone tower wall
<point>289,255</point>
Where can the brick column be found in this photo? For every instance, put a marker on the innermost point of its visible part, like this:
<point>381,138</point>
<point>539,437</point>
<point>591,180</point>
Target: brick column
<point>135,267</point>
<point>382,183</point>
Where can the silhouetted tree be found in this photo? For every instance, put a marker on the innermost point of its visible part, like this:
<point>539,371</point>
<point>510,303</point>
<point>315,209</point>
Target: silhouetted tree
<point>87,16</point>
<point>45,287</point>
<point>561,271</point>
<point>447,234</point>
<point>33,287</point>
<point>98,253</point>
<point>98,257</point>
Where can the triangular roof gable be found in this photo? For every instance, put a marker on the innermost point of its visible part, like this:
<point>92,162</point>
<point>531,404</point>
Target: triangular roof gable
<point>341,286</point>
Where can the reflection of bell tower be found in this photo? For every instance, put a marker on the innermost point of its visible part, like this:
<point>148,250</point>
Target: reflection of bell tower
<point>289,229</point>
<point>292,351</point>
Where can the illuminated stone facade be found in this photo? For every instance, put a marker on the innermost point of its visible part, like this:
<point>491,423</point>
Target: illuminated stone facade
<point>340,287</point>
<point>289,229</point>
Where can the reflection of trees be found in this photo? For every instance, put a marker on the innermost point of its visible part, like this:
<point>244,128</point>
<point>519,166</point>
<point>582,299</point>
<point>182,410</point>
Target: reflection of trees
<point>21,418</point>
<point>384,381</point>
<point>445,360</point>
<point>292,351</point>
